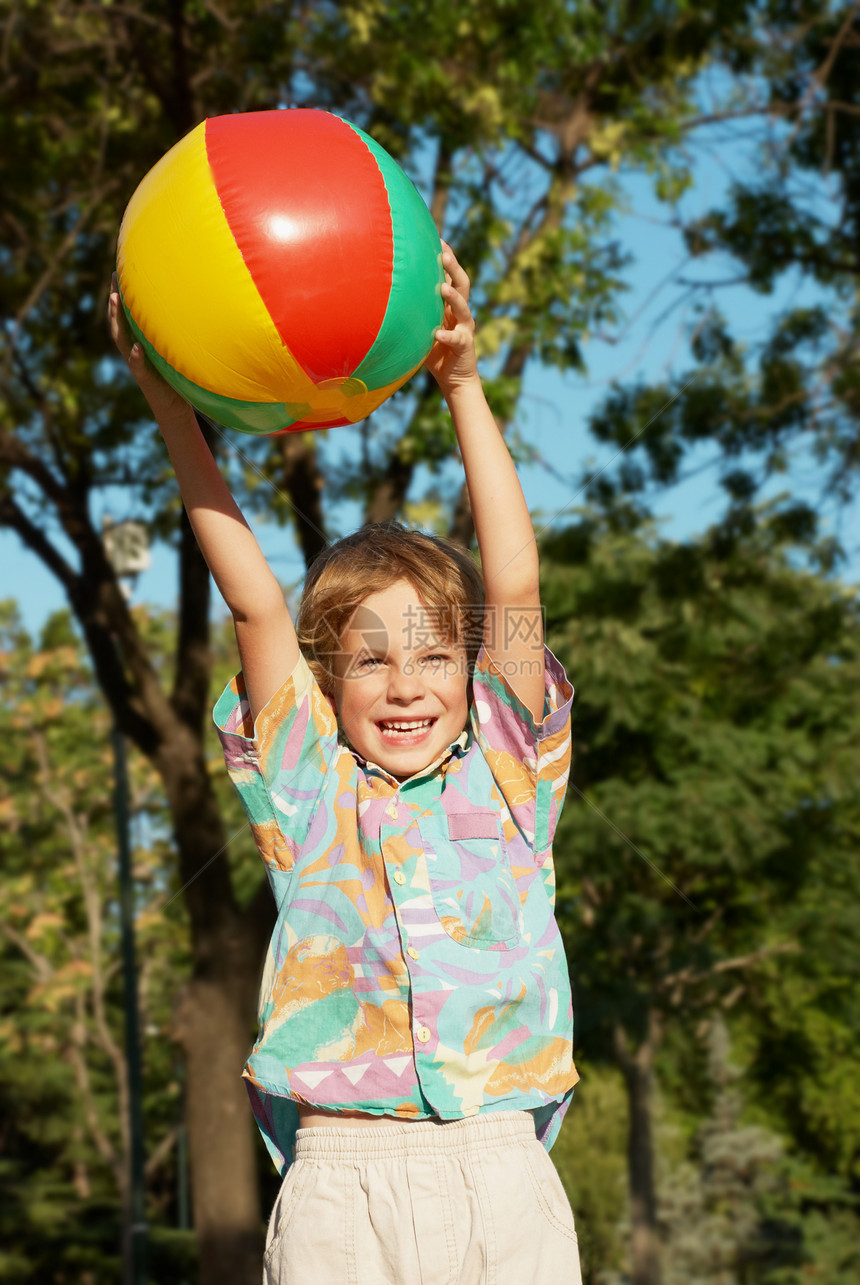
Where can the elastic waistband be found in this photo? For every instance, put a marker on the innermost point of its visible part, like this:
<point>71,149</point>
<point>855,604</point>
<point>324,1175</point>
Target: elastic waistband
<point>415,1137</point>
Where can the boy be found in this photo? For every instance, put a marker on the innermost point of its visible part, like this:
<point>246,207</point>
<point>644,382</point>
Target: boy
<point>403,778</point>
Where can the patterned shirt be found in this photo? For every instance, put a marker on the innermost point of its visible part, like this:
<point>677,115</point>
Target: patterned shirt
<point>416,968</point>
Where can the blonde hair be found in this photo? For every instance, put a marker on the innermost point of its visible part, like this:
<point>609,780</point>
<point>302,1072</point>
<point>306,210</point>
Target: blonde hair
<point>373,558</point>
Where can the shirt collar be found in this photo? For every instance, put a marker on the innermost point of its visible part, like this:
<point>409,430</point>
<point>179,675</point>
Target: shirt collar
<point>456,748</point>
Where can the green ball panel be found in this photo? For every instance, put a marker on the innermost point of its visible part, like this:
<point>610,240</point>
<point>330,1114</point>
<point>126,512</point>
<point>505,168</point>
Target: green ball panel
<point>415,307</point>
<point>248,417</point>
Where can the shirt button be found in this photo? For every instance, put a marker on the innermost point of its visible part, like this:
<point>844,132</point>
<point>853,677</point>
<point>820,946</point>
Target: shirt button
<point>391,810</point>
<point>399,876</point>
<point>412,952</point>
<point>422,1034</point>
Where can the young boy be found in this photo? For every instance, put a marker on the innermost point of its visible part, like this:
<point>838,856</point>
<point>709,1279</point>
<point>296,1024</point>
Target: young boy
<point>403,777</point>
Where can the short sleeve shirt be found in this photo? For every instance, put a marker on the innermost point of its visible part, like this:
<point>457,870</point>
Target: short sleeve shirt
<point>416,968</point>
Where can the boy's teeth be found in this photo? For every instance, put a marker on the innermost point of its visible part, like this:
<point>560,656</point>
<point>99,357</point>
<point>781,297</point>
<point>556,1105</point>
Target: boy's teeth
<point>408,727</point>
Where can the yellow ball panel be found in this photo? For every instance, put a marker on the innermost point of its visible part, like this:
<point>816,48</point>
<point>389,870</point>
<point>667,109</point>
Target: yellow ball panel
<point>188,289</point>
<point>355,408</point>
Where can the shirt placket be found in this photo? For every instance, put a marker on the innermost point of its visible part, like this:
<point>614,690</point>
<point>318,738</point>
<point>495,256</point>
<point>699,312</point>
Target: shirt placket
<point>398,816</point>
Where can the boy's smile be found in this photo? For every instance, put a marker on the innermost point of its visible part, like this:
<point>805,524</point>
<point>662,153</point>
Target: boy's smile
<point>399,689</point>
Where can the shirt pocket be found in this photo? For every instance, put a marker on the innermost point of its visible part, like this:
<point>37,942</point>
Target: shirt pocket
<point>473,889</point>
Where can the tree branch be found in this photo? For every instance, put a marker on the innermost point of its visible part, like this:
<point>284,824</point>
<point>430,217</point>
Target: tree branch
<point>40,964</point>
<point>37,542</point>
<point>690,976</point>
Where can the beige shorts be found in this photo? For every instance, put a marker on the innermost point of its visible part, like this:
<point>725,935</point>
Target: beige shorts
<point>464,1202</point>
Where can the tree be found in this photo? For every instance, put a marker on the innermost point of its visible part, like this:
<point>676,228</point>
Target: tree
<point>715,729</point>
<point>63,1074</point>
<point>791,219</point>
<point>742,1209</point>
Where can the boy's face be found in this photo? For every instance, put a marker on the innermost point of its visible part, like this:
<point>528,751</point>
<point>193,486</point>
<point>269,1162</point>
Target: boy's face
<point>399,690</point>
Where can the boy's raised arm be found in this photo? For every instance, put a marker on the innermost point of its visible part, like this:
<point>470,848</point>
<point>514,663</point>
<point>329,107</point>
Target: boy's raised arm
<point>268,647</point>
<point>513,632</point>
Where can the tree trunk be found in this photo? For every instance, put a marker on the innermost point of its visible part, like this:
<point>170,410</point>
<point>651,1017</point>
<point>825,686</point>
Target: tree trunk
<point>389,493</point>
<point>213,1023</point>
<point>212,1029</point>
<point>638,1068</point>
<point>303,483</point>
<point>462,527</point>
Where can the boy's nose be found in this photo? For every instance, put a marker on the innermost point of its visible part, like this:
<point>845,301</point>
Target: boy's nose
<point>404,683</point>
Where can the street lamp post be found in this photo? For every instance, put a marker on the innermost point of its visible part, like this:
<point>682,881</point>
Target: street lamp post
<point>127,547</point>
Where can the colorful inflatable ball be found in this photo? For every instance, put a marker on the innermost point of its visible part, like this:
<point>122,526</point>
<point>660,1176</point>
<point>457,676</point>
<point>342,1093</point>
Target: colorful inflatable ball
<point>281,271</point>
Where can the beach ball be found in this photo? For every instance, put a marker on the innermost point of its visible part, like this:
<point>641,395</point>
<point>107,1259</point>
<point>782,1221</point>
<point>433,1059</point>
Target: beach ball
<point>281,271</point>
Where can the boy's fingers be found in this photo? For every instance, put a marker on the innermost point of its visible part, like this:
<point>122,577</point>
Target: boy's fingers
<point>459,278</point>
<point>449,258</point>
<point>129,350</point>
<point>453,269</point>
<point>456,338</point>
<point>458,304</point>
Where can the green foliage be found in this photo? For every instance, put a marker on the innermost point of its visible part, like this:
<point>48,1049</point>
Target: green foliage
<point>790,220</point>
<point>63,1075</point>
<point>590,1155</point>
<point>741,1207</point>
<point>717,676</point>
<point>705,858</point>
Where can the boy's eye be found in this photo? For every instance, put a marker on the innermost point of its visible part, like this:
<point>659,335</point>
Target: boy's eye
<point>367,662</point>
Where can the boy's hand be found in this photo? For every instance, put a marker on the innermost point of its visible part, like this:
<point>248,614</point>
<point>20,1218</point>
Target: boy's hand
<point>163,400</point>
<point>452,361</point>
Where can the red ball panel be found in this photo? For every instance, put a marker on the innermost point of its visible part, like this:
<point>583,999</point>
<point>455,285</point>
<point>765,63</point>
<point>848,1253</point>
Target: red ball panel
<point>319,246</point>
